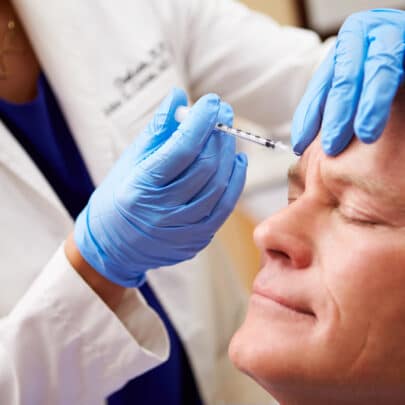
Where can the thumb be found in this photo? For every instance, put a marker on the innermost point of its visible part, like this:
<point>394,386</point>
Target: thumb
<point>183,147</point>
<point>163,123</point>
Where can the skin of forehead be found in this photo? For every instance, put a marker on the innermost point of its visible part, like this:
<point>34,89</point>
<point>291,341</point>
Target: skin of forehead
<point>377,169</point>
<point>391,193</point>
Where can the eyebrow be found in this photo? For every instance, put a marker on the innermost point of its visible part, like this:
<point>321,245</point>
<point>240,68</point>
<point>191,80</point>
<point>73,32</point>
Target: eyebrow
<point>295,175</point>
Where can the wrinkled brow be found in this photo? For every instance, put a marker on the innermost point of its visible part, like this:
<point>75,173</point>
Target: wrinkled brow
<point>391,195</point>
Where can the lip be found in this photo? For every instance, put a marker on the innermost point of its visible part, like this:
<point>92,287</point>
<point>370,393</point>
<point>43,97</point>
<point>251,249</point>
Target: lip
<point>289,303</point>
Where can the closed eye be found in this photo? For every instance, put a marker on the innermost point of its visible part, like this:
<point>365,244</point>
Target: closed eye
<point>353,220</point>
<point>291,200</point>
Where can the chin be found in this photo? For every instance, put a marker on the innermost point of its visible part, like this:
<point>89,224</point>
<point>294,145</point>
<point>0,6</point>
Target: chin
<point>288,367</point>
<point>272,346</point>
<point>254,361</point>
<point>256,351</point>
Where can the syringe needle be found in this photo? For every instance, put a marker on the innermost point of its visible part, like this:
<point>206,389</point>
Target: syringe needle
<point>268,143</point>
<point>182,112</point>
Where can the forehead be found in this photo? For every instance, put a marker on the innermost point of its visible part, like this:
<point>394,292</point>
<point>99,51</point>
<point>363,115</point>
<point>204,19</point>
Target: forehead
<point>377,168</point>
<point>380,165</point>
<point>381,162</point>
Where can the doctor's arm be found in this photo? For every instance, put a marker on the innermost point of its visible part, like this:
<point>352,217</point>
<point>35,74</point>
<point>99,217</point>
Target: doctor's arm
<point>111,293</point>
<point>161,203</point>
<point>62,344</point>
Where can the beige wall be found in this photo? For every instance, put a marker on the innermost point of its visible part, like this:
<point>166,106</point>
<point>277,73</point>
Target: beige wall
<point>284,11</point>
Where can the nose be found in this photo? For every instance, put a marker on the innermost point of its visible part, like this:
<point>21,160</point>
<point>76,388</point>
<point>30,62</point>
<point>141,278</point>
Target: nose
<point>288,235</point>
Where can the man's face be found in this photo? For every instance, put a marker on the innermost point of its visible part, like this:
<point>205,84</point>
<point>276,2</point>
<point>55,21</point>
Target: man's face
<point>326,320</point>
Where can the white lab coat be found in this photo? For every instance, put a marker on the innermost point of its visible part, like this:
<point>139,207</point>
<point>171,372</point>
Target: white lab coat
<point>110,64</point>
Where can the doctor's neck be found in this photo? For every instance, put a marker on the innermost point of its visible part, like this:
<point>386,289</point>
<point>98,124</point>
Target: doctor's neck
<point>19,67</point>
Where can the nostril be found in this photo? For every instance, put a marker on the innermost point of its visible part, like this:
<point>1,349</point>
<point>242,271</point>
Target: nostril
<point>278,254</point>
<point>296,258</point>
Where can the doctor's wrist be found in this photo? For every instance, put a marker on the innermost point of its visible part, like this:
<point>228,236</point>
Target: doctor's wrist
<point>108,291</point>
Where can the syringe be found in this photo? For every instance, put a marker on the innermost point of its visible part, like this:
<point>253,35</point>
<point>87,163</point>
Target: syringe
<point>182,112</point>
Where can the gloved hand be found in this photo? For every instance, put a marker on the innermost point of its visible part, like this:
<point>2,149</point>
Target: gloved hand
<point>166,196</point>
<point>353,89</point>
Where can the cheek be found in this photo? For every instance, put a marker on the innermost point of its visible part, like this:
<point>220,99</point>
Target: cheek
<point>359,291</point>
<point>361,266</point>
<point>364,275</point>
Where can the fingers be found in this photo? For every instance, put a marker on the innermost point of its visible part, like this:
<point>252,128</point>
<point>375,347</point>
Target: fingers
<point>308,115</point>
<point>205,177</point>
<point>204,203</point>
<point>382,77</point>
<point>182,148</point>
<point>210,171</point>
<point>185,187</point>
<point>201,231</point>
<point>198,203</point>
<point>368,69</point>
<point>230,197</point>
<point>343,97</point>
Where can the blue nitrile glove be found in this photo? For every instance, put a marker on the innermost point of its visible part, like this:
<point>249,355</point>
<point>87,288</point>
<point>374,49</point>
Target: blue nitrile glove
<point>166,196</point>
<point>353,89</point>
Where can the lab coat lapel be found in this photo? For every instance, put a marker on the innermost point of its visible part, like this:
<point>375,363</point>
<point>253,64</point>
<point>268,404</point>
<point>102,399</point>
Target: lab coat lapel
<point>57,37</point>
<point>15,159</point>
<point>51,27</point>
<point>60,43</point>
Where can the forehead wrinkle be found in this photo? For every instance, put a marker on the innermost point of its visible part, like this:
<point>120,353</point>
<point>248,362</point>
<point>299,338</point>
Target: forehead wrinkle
<point>388,193</point>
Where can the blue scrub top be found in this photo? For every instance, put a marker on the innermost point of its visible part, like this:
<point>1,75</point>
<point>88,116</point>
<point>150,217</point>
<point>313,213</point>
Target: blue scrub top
<point>40,128</point>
